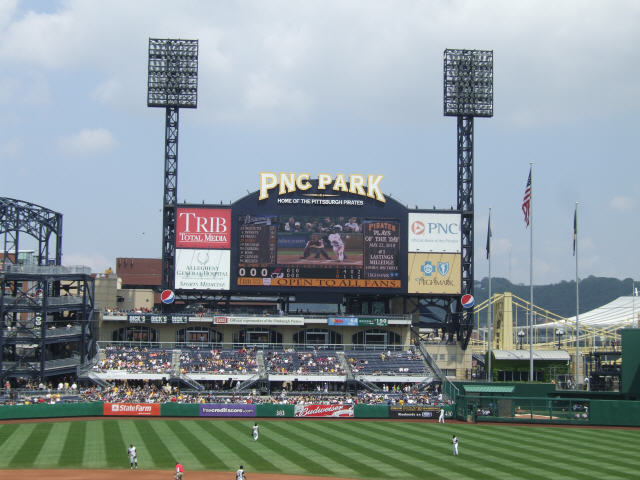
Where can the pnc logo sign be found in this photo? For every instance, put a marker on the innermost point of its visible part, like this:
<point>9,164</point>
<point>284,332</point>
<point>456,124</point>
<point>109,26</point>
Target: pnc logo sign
<point>417,227</point>
<point>435,232</point>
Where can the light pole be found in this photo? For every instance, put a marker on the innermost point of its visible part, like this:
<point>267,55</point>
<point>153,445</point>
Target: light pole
<point>521,336</point>
<point>559,334</point>
<point>172,85</point>
<point>468,93</point>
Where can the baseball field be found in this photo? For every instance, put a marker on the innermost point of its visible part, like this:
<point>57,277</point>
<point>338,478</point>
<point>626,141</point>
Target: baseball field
<point>366,449</point>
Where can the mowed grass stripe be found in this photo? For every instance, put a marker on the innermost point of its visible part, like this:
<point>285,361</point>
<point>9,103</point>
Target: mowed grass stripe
<point>282,432</point>
<point>114,446</point>
<point>334,452</point>
<point>31,447</point>
<point>528,458</point>
<point>161,456</point>
<point>544,443</point>
<point>200,451</point>
<point>391,465</point>
<point>16,441</point>
<point>512,453</point>
<point>226,454</point>
<point>51,450</point>
<point>6,431</point>
<point>434,445</point>
<point>219,428</point>
<point>305,463</point>
<point>410,455</point>
<point>598,459</point>
<point>72,454</point>
<point>283,463</point>
<point>94,450</point>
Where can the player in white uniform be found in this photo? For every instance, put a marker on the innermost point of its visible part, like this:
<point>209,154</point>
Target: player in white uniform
<point>255,432</point>
<point>240,474</point>
<point>454,441</point>
<point>441,417</point>
<point>133,456</point>
<point>337,244</point>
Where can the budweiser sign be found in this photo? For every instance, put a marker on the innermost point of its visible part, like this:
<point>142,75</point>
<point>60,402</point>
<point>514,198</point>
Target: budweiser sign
<point>324,410</point>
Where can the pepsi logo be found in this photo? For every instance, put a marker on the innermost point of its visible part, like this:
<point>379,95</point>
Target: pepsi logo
<point>467,301</point>
<point>167,296</point>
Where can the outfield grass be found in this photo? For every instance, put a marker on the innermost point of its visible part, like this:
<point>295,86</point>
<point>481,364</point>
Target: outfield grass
<point>356,449</point>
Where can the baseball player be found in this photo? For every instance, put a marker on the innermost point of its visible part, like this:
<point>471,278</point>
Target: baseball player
<point>240,474</point>
<point>337,244</point>
<point>315,245</point>
<point>454,441</point>
<point>255,432</point>
<point>133,457</point>
<point>441,417</point>
<point>179,471</point>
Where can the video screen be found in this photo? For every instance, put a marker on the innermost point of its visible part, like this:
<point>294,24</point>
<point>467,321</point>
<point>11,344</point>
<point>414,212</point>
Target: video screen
<point>330,251</point>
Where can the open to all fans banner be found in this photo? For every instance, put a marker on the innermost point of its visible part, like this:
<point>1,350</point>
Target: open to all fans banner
<point>132,409</point>
<point>324,410</point>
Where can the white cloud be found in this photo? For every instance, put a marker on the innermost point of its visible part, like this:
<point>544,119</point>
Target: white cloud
<point>377,60</point>
<point>622,203</point>
<point>12,148</point>
<point>88,143</point>
<point>97,262</point>
<point>7,10</point>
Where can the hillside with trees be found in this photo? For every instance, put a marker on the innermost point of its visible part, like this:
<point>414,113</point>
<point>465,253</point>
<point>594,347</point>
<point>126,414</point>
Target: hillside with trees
<point>560,298</point>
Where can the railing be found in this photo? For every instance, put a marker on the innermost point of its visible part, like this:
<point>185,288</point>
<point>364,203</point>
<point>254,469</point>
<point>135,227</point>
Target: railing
<point>249,345</point>
<point>41,269</point>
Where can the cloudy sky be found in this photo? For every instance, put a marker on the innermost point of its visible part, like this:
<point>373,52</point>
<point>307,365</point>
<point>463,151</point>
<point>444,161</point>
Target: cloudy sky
<point>341,86</point>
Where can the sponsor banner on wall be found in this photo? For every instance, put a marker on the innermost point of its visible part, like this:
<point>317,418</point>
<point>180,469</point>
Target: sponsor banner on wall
<point>343,321</point>
<point>159,319</point>
<point>324,410</point>
<point>207,228</point>
<point>227,410</point>
<point>202,269</point>
<point>357,322</point>
<point>132,409</point>
<point>434,273</point>
<point>238,320</point>
<point>413,411</point>
<point>435,232</point>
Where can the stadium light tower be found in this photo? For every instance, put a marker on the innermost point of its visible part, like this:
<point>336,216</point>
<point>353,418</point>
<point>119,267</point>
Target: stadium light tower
<point>468,93</point>
<point>172,84</point>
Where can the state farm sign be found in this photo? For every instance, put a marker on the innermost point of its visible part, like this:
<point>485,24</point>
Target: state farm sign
<point>203,228</point>
<point>132,409</point>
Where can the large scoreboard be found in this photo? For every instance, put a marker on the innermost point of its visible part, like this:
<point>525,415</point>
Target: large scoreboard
<point>317,235</point>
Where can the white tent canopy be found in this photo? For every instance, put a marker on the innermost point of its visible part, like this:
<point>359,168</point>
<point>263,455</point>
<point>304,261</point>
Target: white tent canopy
<point>621,312</point>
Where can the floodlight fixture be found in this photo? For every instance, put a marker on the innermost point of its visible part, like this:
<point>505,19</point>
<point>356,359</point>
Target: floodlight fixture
<point>173,73</point>
<point>468,83</point>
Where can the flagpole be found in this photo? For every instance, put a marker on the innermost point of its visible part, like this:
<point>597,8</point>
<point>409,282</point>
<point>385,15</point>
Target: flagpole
<point>489,315</point>
<point>575,240</point>
<point>531,278</point>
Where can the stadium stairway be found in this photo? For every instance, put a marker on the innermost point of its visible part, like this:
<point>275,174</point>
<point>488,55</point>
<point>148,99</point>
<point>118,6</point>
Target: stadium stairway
<point>259,380</point>
<point>345,365</point>
<point>178,377</point>
<point>84,372</point>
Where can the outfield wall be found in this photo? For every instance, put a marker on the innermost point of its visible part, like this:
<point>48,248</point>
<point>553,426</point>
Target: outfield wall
<point>470,408</point>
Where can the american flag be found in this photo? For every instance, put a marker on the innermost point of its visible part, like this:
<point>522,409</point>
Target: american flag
<point>526,201</point>
<point>575,230</point>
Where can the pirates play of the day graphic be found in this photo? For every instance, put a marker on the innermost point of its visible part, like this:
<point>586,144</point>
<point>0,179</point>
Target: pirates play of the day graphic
<point>434,273</point>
